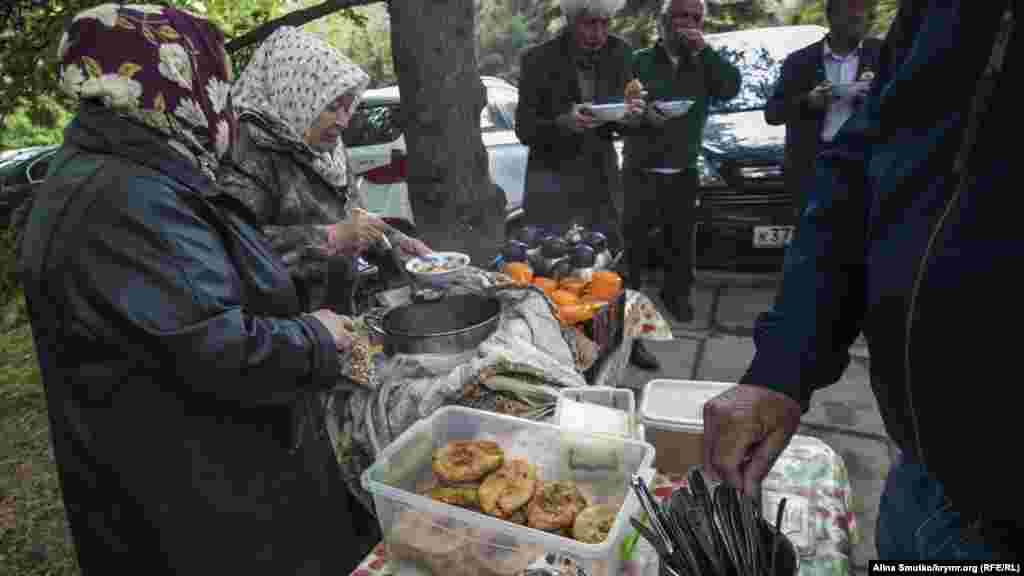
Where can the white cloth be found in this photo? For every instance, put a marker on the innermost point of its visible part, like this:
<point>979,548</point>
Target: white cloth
<point>407,388</point>
<point>290,80</point>
<point>839,70</point>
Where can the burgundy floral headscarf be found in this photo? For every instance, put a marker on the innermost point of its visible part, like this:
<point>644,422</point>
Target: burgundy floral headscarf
<point>160,66</point>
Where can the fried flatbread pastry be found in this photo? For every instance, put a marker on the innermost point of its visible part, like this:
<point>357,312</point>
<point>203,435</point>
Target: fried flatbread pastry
<point>554,506</point>
<point>593,524</point>
<point>466,461</point>
<point>464,496</point>
<point>509,488</point>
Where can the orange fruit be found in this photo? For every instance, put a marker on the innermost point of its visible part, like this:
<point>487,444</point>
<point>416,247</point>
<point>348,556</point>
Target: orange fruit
<point>546,284</point>
<point>605,284</point>
<point>561,297</point>
<point>575,285</point>
<point>519,271</point>
<point>571,314</point>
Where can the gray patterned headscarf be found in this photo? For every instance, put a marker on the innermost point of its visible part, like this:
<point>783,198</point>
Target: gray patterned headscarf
<point>290,80</point>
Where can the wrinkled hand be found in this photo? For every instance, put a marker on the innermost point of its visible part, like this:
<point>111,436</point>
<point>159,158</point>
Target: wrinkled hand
<point>341,328</point>
<point>694,39</point>
<point>355,234</point>
<point>745,430</point>
<point>821,96</point>
<point>413,246</point>
<point>635,108</point>
<point>579,119</point>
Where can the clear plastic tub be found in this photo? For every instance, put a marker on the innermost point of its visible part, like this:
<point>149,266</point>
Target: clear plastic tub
<point>590,409</point>
<point>425,536</point>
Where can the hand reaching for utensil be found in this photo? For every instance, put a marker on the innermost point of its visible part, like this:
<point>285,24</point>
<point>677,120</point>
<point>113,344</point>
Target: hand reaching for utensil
<point>413,246</point>
<point>355,234</point>
<point>746,428</point>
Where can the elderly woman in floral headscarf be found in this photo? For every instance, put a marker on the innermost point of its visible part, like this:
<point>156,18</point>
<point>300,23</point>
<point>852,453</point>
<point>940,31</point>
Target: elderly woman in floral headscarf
<point>181,375</point>
<point>289,166</point>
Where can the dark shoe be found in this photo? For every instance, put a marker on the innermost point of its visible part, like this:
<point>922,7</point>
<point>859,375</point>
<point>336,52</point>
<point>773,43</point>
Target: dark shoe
<point>642,358</point>
<point>677,307</point>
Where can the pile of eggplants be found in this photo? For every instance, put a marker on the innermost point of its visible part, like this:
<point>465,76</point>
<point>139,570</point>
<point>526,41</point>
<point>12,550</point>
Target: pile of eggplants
<point>712,529</point>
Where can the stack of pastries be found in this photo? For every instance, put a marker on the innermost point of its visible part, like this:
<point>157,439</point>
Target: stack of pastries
<point>476,475</point>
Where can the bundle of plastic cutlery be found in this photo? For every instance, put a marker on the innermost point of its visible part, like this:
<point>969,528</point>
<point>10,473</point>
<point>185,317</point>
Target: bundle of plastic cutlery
<point>709,529</point>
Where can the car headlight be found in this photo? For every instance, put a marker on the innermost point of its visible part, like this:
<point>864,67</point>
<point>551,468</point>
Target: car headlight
<point>707,171</point>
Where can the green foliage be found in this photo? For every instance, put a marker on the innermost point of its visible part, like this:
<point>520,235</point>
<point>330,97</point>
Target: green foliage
<point>813,12</point>
<point>362,34</point>
<point>31,126</point>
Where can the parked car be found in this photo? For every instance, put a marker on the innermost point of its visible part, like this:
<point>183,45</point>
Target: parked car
<point>377,152</point>
<point>746,216</point>
<point>21,170</point>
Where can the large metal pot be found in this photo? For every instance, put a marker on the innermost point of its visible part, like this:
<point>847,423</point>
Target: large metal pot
<point>449,325</point>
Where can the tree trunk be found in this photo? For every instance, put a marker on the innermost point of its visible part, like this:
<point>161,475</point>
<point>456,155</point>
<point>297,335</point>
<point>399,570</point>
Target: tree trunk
<point>456,205</point>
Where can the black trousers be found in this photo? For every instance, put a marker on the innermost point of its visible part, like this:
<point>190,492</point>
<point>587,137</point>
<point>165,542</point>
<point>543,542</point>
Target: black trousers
<point>663,201</point>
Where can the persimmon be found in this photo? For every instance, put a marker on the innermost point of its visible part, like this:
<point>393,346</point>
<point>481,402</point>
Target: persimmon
<point>546,284</point>
<point>571,314</point>
<point>561,297</point>
<point>575,285</point>
<point>520,272</point>
<point>605,285</point>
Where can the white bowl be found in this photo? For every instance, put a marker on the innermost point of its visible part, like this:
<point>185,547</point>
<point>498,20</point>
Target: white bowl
<point>674,108</point>
<point>608,112</point>
<point>455,264</point>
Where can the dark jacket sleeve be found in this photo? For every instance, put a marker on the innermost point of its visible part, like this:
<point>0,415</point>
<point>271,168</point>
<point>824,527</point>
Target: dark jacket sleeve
<point>803,342</point>
<point>163,280</point>
<point>785,104</point>
<point>723,77</point>
<point>535,123</point>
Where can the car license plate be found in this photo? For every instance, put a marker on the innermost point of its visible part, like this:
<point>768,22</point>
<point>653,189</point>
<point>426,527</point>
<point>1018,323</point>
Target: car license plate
<point>772,236</point>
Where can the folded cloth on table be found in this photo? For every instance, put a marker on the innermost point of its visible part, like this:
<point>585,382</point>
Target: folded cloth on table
<point>529,342</point>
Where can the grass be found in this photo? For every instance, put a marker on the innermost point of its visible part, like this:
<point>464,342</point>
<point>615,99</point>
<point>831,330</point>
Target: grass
<point>33,537</point>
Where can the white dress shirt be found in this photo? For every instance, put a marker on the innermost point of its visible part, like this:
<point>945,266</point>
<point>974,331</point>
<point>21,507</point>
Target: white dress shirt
<point>839,70</point>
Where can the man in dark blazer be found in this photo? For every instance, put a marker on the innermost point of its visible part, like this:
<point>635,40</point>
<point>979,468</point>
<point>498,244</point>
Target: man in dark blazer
<point>804,98</point>
<point>572,171</point>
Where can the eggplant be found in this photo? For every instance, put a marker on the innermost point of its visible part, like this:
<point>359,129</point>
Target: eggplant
<point>529,235</point>
<point>597,241</point>
<point>515,251</point>
<point>554,247</point>
<point>584,256</point>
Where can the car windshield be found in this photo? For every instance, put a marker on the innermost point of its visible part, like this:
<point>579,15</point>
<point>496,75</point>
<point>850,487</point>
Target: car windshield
<point>759,54</point>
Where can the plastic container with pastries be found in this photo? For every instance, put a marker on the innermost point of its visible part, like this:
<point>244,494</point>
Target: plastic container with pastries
<point>425,536</point>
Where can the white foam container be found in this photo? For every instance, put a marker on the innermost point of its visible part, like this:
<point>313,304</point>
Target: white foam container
<point>586,409</point>
<point>468,542</point>
<point>673,415</point>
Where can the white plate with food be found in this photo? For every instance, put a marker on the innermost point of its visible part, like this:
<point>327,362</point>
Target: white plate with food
<point>672,108</point>
<point>437,269</point>
<point>607,112</point>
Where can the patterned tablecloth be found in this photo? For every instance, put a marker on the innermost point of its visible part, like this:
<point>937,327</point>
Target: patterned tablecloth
<point>810,475</point>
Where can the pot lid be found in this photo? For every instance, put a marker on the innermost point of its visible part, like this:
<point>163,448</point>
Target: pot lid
<point>678,404</point>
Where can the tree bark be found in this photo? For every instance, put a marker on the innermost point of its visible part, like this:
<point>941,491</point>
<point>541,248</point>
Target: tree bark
<point>296,19</point>
<point>456,204</point>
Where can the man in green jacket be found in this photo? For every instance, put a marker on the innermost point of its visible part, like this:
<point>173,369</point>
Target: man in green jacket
<point>660,157</point>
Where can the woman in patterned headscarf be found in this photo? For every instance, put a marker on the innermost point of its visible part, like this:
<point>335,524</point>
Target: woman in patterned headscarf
<point>181,375</point>
<point>290,168</point>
